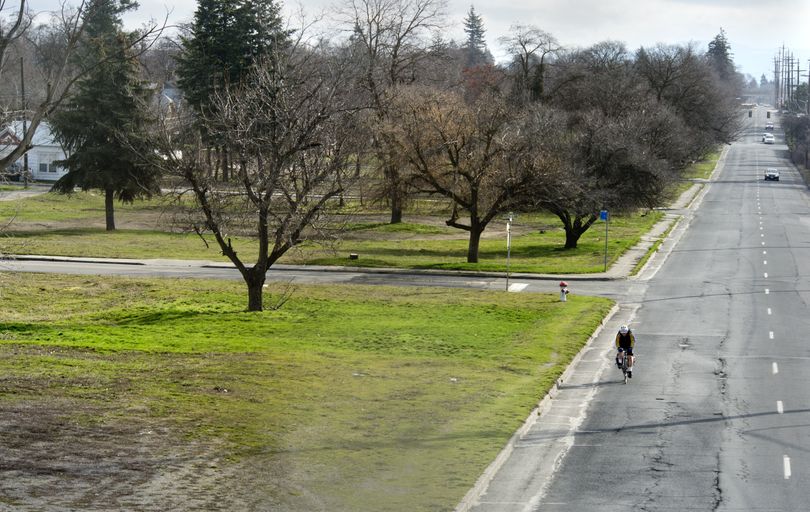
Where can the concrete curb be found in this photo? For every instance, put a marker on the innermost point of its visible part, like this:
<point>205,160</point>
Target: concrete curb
<point>36,257</point>
<point>469,500</point>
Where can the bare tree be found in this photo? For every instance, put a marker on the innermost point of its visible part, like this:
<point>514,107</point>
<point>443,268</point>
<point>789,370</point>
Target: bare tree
<point>683,79</point>
<point>625,146</point>
<point>391,40</point>
<point>291,130</point>
<point>529,47</point>
<point>607,162</point>
<point>480,156</point>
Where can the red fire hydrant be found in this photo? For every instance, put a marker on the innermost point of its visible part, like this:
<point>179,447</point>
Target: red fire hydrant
<point>563,291</point>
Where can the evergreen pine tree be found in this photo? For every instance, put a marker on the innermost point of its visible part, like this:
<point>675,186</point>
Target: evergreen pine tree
<point>105,114</point>
<point>227,38</point>
<point>720,56</point>
<point>476,46</point>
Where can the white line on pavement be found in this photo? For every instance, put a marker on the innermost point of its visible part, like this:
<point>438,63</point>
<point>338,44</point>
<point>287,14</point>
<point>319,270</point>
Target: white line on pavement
<point>775,368</point>
<point>765,262</point>
<point>786,463</point>
<point>517,287</point>
<point>766,275</point>
<point>767,291</point>
<point>779,407</point>
<point>769,311</point>
<point>770,334</point>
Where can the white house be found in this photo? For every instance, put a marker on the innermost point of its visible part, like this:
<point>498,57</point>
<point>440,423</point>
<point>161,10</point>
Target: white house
<point>41,156</point>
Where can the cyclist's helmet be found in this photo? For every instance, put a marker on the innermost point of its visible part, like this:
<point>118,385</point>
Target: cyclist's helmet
<point>624,329</point>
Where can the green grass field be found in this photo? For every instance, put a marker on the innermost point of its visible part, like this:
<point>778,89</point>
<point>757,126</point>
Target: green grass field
<point>73,226</point>
<point>372,399</point>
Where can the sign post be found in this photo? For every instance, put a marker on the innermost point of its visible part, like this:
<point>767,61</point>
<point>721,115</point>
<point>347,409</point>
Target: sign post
<point>603,215</point>
<point>508,246</point>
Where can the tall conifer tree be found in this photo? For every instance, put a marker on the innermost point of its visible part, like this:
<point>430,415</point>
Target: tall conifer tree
<point>105,115</point>
<point>720,56</point>
<point>227,38</point>
<point>476,44</point>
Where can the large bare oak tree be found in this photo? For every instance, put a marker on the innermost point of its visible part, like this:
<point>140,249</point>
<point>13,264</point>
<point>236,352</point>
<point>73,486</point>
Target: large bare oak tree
<point>290,129</point>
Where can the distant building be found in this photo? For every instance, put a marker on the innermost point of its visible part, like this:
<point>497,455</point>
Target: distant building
<point>41,156</point>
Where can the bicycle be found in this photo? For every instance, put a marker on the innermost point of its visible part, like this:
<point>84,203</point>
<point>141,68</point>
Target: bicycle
<point>623,366</point>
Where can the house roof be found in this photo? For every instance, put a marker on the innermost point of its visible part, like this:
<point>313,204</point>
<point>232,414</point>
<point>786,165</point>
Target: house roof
<point>13,133</point>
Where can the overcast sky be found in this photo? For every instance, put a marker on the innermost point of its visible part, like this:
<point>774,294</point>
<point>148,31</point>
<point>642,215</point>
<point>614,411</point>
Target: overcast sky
<point>755,28</point>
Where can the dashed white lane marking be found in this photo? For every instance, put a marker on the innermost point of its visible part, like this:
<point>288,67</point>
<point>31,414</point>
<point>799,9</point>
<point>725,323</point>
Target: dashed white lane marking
<point>762,235</point>
<point>779,407</point>
<point>769,311</point>
<point>761,228</point>
<point>775,368</point>
<point>786,464</point>
<point>763,243</point>
<point>767,291</point>
<point>764,262</point>
<point>766,275</point>
<point>517,287</point>
<point>770,334</point>
<point>764,252</point>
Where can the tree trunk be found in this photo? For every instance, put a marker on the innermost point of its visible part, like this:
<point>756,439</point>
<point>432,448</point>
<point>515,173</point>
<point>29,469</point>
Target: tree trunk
<point>255,285</point>
<point>571,237</point>
<point>574,230</point>
<point>476,228</point>
<point>396,206</point>
<point>109,208</point>
<point>472,248</point>
<point>394,193</point>
<point>226,165</point>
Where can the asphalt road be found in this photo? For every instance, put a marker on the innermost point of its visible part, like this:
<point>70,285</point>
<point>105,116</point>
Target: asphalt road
<point>716,416</point>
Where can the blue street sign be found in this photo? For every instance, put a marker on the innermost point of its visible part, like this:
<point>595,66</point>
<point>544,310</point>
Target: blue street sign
<point>603,215</point>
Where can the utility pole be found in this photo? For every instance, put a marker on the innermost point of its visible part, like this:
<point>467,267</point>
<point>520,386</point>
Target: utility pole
<point>776,80</point>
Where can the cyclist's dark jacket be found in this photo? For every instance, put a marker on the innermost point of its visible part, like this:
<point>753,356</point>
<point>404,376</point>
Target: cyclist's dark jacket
<point>625,341</point>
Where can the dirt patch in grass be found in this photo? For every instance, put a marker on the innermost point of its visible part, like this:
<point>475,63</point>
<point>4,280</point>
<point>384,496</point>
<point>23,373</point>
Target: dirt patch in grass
<point>80,442</point>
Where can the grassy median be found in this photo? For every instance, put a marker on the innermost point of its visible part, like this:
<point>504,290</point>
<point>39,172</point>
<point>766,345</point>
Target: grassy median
<point>373,398</point>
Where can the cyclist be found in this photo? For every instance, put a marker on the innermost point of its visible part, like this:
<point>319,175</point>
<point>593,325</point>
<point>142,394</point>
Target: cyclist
<point>624,343</point>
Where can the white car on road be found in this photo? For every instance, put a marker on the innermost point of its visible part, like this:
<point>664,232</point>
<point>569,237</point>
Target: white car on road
<point>768,138</point>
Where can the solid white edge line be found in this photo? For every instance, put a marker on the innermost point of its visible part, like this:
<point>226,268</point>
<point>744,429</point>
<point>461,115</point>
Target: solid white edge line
<point>775,368</point>
<point>786,463</point>
<point>780,408</point>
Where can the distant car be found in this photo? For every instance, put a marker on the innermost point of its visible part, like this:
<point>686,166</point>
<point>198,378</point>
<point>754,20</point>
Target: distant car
<point>768,138</point>
<point>771,174</point>
<point>769,126</point>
